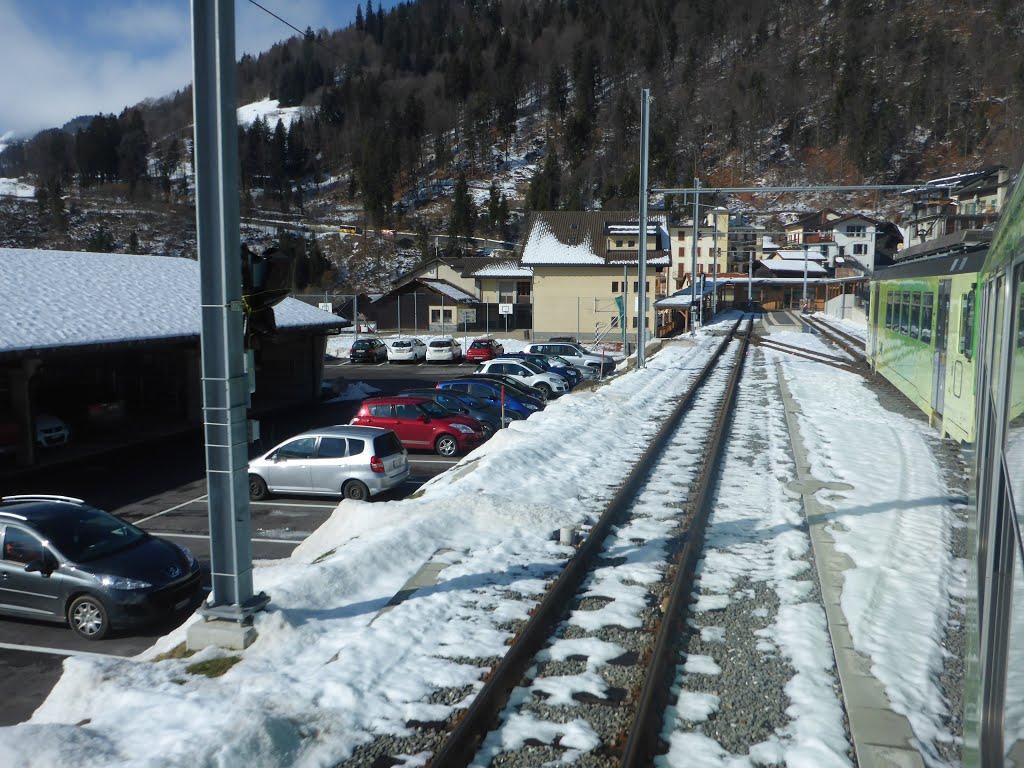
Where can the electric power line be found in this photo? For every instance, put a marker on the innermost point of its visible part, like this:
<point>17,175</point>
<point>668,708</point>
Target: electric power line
<point>301,32</point>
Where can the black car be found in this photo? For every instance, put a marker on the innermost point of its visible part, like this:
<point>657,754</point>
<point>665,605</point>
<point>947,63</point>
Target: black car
<point>62,560</point>
<point>368,351</point>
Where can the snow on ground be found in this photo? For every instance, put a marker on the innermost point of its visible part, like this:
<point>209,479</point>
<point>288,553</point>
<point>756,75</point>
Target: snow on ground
<point>269,110</point>
<point>894,524</point>
<point>330,671</point>
<point>15,188</point>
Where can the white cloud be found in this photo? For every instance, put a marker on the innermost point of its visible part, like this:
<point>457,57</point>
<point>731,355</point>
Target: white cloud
<point>147,53</point>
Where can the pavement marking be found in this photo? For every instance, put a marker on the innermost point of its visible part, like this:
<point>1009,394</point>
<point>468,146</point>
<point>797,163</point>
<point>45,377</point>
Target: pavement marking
<point>57,651</point>
<point>177,506</point>
<point>313,505</point>
<point>173,535</point>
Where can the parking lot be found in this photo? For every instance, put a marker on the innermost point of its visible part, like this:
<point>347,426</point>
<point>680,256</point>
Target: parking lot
<point>160,486</point>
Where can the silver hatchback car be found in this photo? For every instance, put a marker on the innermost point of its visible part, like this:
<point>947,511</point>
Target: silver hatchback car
<point>350,461</point>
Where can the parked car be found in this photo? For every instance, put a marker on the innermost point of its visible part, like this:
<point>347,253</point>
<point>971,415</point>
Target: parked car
<point>483,349</point>
<point>446,350</point>
<point>422,423</point>
<point>514,384</point>
<point>551,384</point>
<point>493,392</point>
<point>353,462</point>
<point>574,353</point>
<point>487,415</point>
<point>407,350</point>
<point>51,431</point>
<point>566,370</point>
<point>587,373</point>
<point>64,561</point>
<point>368,351</point>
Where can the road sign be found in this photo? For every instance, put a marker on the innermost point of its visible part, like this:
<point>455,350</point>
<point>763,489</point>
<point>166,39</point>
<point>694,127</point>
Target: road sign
<point>326,306</point>
<point>504,309</point>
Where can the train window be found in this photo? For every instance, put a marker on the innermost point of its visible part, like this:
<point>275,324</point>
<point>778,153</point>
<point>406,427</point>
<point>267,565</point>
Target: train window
<point>926,317</point>
<point>967,325</point>
<point>915,315</point>
<point>888,310</point>
<point>905,314</point>
<point>1015,396</point>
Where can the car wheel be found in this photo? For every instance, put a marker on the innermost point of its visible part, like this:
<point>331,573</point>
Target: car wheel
<point>447,445</point>
<point>257,488</point>
<point>545,389</point>
<point>356,490</point>
<point>88,618</point>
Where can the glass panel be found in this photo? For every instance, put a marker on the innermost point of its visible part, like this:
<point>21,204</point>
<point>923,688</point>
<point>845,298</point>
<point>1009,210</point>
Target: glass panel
<point>915,316</point>
<point>967,326</point>
<point>332,448</point>
<point>298,449</point>
<point>888,310</point>
<point>1013,712</point>
<point>926,318</point>
<point>20,547</point>
<point>1015,397</point>
<point>905,314</point>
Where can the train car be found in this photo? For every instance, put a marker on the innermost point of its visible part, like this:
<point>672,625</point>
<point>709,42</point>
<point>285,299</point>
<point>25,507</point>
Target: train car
<point>922,332</point>
<point>994,698</point>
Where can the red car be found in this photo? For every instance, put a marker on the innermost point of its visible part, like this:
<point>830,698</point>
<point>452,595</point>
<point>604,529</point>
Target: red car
<point>482,350</point>
<point>421,423</point>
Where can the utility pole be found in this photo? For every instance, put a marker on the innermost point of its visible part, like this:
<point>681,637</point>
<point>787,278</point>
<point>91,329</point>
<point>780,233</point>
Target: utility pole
<point>641,296</point>
<point>231,605</point>
<point>693,259</point>
<point>803,306</point>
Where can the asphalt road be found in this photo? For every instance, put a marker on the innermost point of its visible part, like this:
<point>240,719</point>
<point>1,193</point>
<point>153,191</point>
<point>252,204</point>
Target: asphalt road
<point>160,486</point>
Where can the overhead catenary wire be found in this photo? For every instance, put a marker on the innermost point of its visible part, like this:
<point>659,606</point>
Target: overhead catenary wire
<point>301,33</point>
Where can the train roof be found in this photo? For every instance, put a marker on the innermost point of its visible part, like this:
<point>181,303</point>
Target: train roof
<point>957,261</point>
<point>1009,238</point>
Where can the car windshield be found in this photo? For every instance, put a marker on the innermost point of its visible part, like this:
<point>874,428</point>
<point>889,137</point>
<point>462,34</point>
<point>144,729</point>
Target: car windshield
<point>84,534</point>
<point>433,409</point>
<point>533,367</point>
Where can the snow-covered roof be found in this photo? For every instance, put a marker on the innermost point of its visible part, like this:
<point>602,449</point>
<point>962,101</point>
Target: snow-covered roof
<point>787,265</point>
<point>451,291</point>
<point>503,268</point>
<point>580,238</point>
<point>794,254</point>
<point>15,187</point>
<point>75,298</point>
<point>681,299</point>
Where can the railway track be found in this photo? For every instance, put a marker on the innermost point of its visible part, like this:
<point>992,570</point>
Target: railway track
<point>850,344</point>
<point>592,669</point>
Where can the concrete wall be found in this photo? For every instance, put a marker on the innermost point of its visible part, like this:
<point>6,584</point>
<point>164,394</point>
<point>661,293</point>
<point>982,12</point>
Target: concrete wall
<point>579,301</point>
<point>847,307</point>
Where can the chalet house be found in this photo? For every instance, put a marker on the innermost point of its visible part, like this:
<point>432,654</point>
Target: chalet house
<point>949,204</point>
<point>585,272</point>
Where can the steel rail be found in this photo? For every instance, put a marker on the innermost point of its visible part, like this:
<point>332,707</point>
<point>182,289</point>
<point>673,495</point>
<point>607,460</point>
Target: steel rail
<point>841,340</point>
<point>850,366</point>
<point>644,737</point>
<point>463,742</point>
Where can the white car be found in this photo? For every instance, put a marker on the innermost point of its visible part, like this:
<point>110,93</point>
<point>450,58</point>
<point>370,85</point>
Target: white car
<point>407,350</point>
<point>551,384</point>
<point>446,350</point>
<point>575,354</point>
<point>51,430</point>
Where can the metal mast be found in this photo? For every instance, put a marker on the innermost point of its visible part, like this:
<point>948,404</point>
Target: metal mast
<point>641,296</point>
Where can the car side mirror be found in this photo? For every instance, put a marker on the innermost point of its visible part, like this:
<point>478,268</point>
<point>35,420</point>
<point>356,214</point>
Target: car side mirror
<point>39,566</point>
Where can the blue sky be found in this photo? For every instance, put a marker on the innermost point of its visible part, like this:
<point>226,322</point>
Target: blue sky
<point>64,58</point>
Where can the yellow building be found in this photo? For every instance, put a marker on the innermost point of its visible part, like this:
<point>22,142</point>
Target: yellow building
<point>585,273</point>
<point>713,245</point>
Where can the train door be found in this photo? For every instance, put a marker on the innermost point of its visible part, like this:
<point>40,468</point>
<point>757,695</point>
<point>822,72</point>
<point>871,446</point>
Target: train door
<point>876,291</point>
<point>939,353</point>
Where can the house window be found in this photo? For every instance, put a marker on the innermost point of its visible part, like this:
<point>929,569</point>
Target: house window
<point>632,244</point>
<point>636,286</point>
<point>860,249</point>
<point>506,292</point>
<point>435,315</point>
<point>682,252</point>
<point>615,286</point>
<point>522,289</point>
<point>856,230</point>
<point>614,322</point>
<point>647,322</point>
<point>618,243</point>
